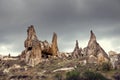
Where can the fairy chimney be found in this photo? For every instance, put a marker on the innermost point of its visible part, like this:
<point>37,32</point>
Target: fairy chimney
<point>54,47</point>
<point>32,53</point>
<point>96,50</point>
<point>77,51</point>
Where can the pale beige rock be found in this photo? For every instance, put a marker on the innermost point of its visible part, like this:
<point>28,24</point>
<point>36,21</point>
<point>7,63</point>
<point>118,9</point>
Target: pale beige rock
<point>32,52</point>
<point>96,50</point>
<point>50,49</point>
<point>114,59</point>
<point>77,51</point>
<point>92,59</point>
<point>54,47</point>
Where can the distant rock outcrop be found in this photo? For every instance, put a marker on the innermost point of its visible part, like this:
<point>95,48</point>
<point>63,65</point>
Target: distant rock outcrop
<point>77,51</point>
<point>32,52</point>
<point>95,49</point>
<point>36,49</point>
<point>54,47</point>
<point>50,49</point>
<point>1,57</point>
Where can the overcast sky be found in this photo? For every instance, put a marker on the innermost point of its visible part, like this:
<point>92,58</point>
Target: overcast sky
<point>70,19</point>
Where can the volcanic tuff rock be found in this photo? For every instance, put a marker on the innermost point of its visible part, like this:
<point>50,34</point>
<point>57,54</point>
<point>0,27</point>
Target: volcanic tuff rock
<point>32,52</point>
<point>114,59</point>
<point>95,49</point>
<point>36,49</point>
<point>77,51</point>
<point>54,46</point>
<point>50,49</point>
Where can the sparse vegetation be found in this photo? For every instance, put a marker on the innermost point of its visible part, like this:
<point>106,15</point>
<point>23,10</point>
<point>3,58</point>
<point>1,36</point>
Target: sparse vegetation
<point>90,75</point>
<point>73,75</point>
<point>117,76</point>
<point>44,71</point>
<point>106,66</point>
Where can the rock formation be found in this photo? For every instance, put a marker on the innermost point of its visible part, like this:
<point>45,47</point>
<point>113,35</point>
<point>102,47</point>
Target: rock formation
<point>95,49</point>
<point>54,46</point>
<point>77,51</point>
<point>50,49</point>
<point>114,59</point>
<point>92,59</point>
<point>32,52</point>
<point>35,49</point>
<point>1,57</point>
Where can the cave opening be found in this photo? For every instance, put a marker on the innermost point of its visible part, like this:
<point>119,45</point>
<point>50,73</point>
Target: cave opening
<point>29,48</point>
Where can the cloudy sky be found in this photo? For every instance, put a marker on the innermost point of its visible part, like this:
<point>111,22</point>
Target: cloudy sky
<point>70,19</point>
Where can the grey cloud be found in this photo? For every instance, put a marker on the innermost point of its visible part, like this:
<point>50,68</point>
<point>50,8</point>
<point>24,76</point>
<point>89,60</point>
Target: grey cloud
<point>70,19</point>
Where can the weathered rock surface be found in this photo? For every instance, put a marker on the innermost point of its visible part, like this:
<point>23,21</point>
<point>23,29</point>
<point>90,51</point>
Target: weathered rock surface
<point>95,49</point>
<point>32,52</point>
<point>92,59</point>
<point>54,47</point>
<point>50,49</point>
<point>77,51</point>
<point>114,59</point>
<point>36,49</point>
<point>1,57</point>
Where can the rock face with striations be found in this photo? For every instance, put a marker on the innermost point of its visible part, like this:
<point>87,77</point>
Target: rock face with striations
<point>77,51</point>
<point>95,49</point>
<point>32,53</point>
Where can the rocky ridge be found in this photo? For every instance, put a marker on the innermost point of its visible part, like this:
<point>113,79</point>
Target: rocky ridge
<point>39,54</point>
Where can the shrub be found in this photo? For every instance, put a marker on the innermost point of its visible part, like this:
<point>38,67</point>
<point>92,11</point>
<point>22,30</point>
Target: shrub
<point>73,75</point>
<point>116,76</point>
<point>58,76</point>
<point>106,66</point>
<point>89,75</point>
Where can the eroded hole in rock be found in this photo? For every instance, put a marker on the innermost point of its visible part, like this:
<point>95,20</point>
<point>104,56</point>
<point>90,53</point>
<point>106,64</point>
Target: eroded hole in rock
<point>46,54</point>
<point>29,48</point>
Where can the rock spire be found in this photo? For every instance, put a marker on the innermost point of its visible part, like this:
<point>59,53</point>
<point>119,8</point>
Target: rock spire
<point>32,52</point>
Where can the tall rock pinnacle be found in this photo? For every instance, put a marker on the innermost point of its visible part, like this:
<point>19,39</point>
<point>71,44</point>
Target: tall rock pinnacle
<point>77,45</point>
<point>54,47</point>
<point>32,52</point>
<point>95,49</point>
<point>77,51</point>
